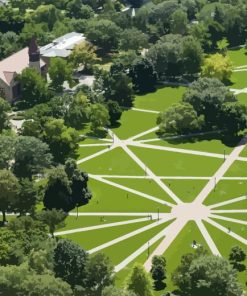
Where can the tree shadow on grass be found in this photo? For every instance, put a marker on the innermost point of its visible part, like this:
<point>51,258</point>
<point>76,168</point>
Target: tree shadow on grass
<point>228,140</point>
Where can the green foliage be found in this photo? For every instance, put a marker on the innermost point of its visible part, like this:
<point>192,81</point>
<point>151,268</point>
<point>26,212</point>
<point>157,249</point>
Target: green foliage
<point>158,272</point>
<point>52,218</point>
<point>143,75</point>
<point>180,118</point>
<point>99,117</point>
<point>115,111</point>
<point>59,72</point>
<point>202,274</point>
<point>7,150</point>
<point>19,280</point>
<point>63,141</point>
<point>133,39</point>
<point>70,262</point>
<point>179,22</point>
<point>114,291</point>
<point>9,188</point>
<point>103,33</point>
<point>237,257</point>
<point>217,66</point>
<point>4,108</point>
<point>33,87</point>
<point>139,281</point>
<point>99,274</point>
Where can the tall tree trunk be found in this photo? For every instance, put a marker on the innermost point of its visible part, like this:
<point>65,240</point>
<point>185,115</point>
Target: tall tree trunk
<point>4,217</point>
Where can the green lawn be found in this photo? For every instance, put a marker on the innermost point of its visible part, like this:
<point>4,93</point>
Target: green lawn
<point>94,238</point>
<point>238,169</point>
<point>239,80</point>
<point>224,243</point>
<point>165,163</point>
<point>238,57</point>
<point>117,253</point>
<point>186,190</point>
<point>73,222</point>
<point>240,216</point>
<point>242,98</point>
<point>206,143</point>
<point>86,151</point>
<point>234,206</point>
<point>149,136</point>
<point>134,122</point>
<point>161,99</point>
<point>107,198</point>
<point>146,186</point>
<point>225,190</point>
<point>237,228</point>
<point>91,141</point>
<point>123,274</point>
<point>181,246</point>
<point>114,162</point>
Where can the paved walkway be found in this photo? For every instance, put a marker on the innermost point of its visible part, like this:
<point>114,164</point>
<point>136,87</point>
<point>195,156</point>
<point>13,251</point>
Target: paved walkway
<point>95,227</point>
<point>131,234</point>
<point>221,171</point>
<point>181,212</point>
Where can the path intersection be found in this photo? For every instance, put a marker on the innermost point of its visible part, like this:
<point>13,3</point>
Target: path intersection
<point>180,212</point>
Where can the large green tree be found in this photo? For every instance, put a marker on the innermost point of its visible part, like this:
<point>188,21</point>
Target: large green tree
<point>9,189</point>
<point>33,87</point>
<point>70,262</point>
<point>139,281</point>
<point>4,119</point>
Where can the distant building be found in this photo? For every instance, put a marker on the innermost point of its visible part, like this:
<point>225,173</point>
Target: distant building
<point>61,47</point>
<point>10,67</point>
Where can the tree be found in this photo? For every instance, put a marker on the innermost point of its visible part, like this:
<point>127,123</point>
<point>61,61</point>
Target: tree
<point>67,187</point>
<point>58,191</point>
<point>20,280</point>
<point>63,141</point>
<point>237,257</point>
<point>59,72</point>
<point>139,281</point>
<point>53,219</point>
<point>115,111</point>
<point>178,119</point>
<point>217,66</point>
<point>232,118</point>
<point>70,262</point>
<point>78,111</point>
<point>77,10</point>
<point>4,120</point>
<point>84,55</point>
<point>179,22</point>
<point>114,291</point>
<point>103,33</point>
<point>99,117</point>
<point>31,156</point>
<point>27,197</point>
<point>133,39</point>
<point>158,272</point>
<point>207,96</point>
<point>99,272</point>
<point>7,150</point>
<point>206,275</point>
<point>33,87</point>
<point>9,189</point>
<point>143,75</point>
<point>9,43</point>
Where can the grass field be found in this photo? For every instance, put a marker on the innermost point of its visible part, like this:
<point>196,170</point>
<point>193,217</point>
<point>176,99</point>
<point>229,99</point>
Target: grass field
<point>238,57</point>
<point>239,229</point>
<point>146,186</point>
<point>165,163</point>
<point>111,199</point>
<point>115,162</point>
<point>225,190</point>
<point>134,122</point>
<point>238,169</point>
<point>238,80</point>
<point>161,99</point>
<point>186,190</point>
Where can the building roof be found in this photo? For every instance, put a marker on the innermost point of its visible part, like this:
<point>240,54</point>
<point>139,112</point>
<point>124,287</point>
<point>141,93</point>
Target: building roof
<point>62,46</point>
<point>15,64</point>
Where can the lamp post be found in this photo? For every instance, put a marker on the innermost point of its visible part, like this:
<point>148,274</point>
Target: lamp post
<point>224,154</point>
<point>158,211</point>
<point>148,249</point>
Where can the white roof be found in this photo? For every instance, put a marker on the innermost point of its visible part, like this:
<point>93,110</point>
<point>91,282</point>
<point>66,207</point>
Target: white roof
<point>62,46</point>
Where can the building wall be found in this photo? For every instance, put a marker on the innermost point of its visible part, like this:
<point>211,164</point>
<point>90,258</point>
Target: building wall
<point>5,91</point>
